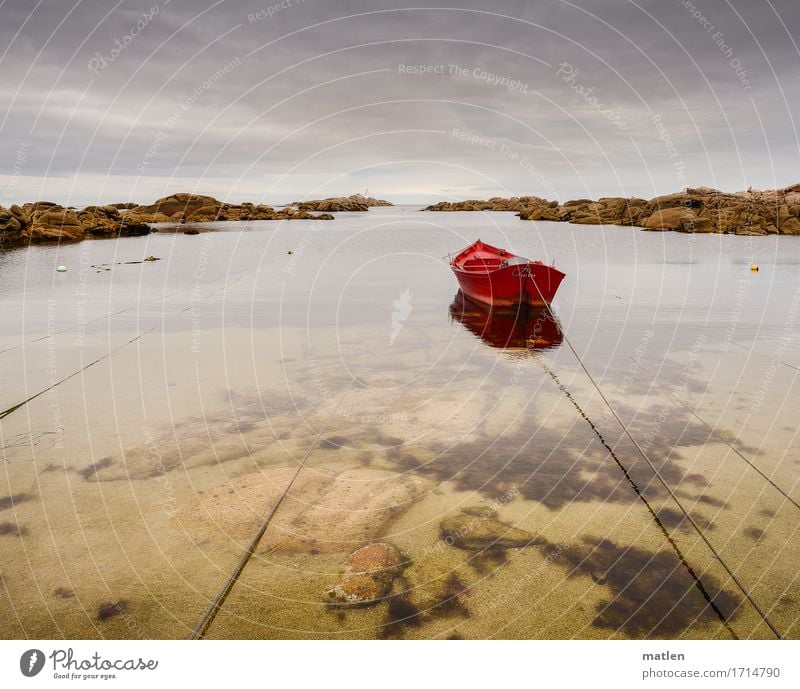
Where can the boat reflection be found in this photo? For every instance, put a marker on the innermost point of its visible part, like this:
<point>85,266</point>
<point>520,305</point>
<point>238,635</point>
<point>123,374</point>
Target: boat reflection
<point>524,327</point>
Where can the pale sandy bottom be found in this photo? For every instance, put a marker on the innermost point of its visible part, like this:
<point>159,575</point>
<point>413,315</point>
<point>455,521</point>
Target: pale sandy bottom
<point>137,484</point>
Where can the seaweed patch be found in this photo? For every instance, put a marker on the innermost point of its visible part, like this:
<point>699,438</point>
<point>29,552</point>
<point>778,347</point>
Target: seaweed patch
<point>108,610</point>
<point>89,473</point>
<point>11,500</point>
<point>11,529</point>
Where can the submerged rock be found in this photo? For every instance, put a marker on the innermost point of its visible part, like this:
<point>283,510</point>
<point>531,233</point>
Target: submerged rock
<point>376,558</point>
<point>359,589</point>
<point>106,611</point>
<point>324,512</point>
<point>370,573</point>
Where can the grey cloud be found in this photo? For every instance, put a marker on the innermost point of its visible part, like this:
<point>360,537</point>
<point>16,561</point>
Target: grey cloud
<point>202,92</point>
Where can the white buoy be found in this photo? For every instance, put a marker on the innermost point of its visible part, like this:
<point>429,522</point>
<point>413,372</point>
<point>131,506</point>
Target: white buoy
<point>61,269</point>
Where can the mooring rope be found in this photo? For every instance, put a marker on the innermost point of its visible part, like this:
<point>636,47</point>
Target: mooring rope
<point>217,602</point>
<point>675,547</point>
<point>657,474</point>
<point>711,428</point>
<point>19,405</point>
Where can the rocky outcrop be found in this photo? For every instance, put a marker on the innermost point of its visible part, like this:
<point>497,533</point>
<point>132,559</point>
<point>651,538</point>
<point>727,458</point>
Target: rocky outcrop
<point>55,224</point>
<point>356,202</point>
<point>496,203</point>
<point>174,207</point>
<point>44,221</point>
<point>196,208</point>
<point>12,219</point>
<point>700,210</point>
<point>604,211</point>
<point>12,223</point>
<point>693,210</point>
<point>106,221</point>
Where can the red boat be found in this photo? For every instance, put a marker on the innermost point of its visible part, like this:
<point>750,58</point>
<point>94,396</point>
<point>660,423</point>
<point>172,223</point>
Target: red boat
<point>498,278</point>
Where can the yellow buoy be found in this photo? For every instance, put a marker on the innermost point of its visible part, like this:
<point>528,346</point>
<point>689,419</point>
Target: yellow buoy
<point>754,267</point>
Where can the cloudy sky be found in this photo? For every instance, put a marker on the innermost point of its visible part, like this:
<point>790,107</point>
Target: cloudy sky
<point>274,101</point>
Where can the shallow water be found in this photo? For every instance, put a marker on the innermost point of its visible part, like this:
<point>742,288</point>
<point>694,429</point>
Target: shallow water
<point>165,399</point>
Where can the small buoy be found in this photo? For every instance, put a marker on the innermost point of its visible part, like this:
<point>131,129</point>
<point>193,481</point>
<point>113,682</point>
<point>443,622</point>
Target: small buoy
<point>61,269</point>
<point>754,267</point>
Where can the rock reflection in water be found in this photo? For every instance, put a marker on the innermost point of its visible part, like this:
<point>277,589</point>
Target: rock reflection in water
<point>521,327</point>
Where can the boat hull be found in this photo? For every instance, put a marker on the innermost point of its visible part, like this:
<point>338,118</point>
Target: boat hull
<point>533,284</point>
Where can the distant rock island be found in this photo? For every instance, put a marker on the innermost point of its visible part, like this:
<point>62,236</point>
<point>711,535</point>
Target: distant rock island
<point>751,212</point>
<point>496,203</point>
<point>356,202</point>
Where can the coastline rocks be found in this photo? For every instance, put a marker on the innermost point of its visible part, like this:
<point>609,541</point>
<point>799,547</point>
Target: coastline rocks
<point>693,210</point>
<point>356,202</point>
<point>12,223</point>
<point>9,222</point>
<point>106,221</point>
<point>370,573</point>
<point>206,213</point>
<point>45,221</point>
<point>540,213</point>
<point>680,219</point>
<point>496,203</point>
<point>604,211</point>
<point>54,225</point>
<point>37,207</point>
<point>197,208</point>
<point>790,226</point>
<point>174,207</point>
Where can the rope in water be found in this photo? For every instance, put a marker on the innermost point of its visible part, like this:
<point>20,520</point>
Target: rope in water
<point>678,553</point>
<point>788,497</point>
<point>217,602</point>
<point>767,356</point>
<point>19,405</point>
<point>660,478</point>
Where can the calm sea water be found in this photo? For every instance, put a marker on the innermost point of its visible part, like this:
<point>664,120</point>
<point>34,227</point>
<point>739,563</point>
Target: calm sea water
<point>155,411</point>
